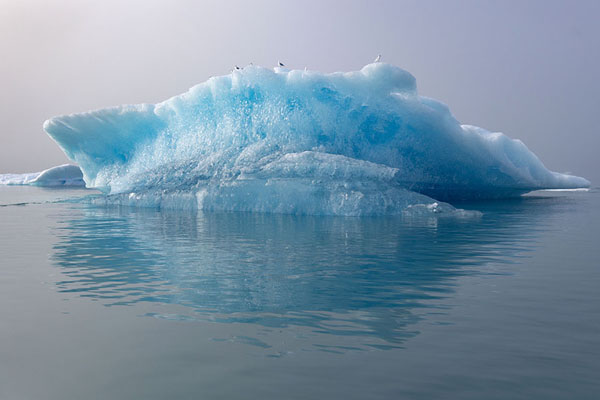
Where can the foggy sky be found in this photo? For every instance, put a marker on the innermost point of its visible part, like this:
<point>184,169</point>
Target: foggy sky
<point>525,68</point>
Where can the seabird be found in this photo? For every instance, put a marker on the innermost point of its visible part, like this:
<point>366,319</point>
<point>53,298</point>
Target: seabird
<point>281,64</point>
<point>378,59</point>
<point>236,67</point>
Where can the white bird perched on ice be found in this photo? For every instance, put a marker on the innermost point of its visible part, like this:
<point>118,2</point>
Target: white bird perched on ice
<point>378,59</point>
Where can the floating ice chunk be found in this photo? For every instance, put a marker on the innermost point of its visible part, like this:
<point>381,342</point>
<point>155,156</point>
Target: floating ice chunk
<point>62,175</point>
<point>17,179</point>
<point>283,140</point>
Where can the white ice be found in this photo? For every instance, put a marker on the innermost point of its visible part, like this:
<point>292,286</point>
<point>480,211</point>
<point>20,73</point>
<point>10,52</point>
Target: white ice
<point>62,175</point>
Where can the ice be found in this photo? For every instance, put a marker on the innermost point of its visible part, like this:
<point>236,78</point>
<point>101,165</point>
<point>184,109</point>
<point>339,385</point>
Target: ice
<point>62,175</point>
<point>297,141</point>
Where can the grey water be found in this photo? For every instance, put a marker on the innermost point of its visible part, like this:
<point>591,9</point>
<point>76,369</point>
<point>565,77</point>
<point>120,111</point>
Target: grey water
<point>104,302</point>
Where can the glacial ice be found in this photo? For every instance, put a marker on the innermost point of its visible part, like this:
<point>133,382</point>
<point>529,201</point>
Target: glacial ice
<point>297,141</point>
<point>62,175</point>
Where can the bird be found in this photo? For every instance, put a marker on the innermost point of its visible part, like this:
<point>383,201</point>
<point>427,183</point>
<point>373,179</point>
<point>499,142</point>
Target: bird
<point>378,59</point>
<point>236,67</point>
<point>281,64</point>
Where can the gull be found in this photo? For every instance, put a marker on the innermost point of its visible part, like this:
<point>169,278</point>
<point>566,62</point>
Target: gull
<point>378,59</point>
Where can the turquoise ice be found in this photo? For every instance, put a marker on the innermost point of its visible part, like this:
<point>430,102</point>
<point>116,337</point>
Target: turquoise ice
<point>297,141</point>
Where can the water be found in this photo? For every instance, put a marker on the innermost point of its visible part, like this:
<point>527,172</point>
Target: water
<point>121,303</point>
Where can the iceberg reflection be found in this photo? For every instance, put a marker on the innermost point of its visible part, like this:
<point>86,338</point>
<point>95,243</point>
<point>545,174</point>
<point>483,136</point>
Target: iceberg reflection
<point>367,278</point>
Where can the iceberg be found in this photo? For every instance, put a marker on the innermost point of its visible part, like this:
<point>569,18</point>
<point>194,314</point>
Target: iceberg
<point>62,175</point>
<point>300,142</point>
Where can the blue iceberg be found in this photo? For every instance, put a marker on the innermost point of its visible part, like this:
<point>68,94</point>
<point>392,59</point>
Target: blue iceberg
<point>300,142</point>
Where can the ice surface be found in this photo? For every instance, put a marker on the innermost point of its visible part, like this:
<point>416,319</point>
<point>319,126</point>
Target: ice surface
<point>356,143</point>
<point>62,175</point>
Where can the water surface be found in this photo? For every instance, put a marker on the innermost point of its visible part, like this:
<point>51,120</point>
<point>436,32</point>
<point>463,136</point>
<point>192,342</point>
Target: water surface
<point>101,302</point>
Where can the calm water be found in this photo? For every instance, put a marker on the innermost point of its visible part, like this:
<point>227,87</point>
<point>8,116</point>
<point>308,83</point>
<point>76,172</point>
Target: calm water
<point>119,303</point>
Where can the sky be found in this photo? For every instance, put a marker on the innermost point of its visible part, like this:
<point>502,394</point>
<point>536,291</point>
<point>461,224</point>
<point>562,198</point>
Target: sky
<point>528,69</point>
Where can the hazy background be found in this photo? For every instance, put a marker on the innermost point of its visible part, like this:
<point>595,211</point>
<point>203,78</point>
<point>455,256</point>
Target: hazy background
<point>526,68</point>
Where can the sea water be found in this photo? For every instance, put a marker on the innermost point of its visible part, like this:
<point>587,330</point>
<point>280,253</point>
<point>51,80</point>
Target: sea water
<point>111,302</point>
